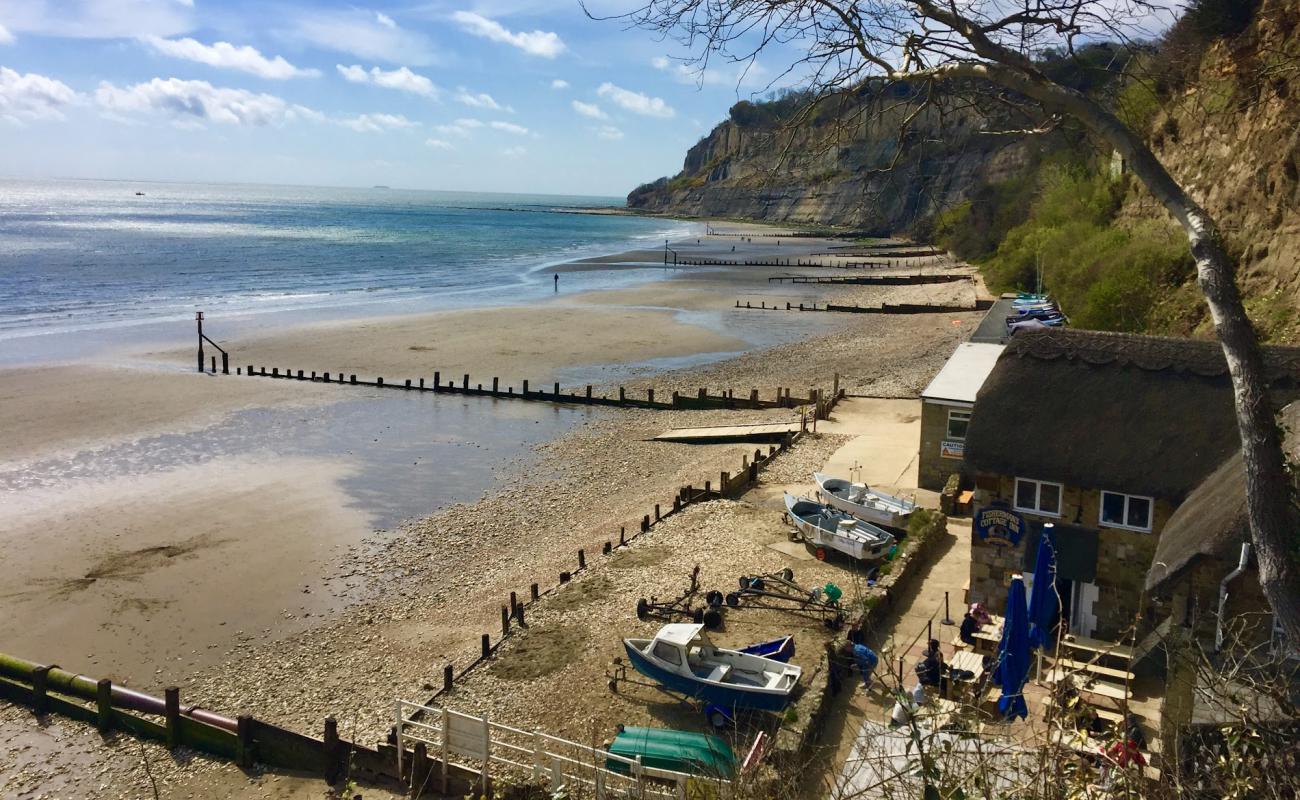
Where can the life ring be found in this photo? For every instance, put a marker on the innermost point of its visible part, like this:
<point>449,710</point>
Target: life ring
<point>821,554</point>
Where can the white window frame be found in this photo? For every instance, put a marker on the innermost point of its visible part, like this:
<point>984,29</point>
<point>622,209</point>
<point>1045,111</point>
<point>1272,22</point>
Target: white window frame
<point>948,428</point>
<point>1038,491</point>
<point>1151,511</point>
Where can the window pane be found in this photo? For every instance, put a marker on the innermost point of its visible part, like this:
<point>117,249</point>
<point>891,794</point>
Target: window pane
<point>957,424</point>
<point>1026,494</point>
<point>667,652</point>
<point>1049,498</point>
<point>1112,508</point>
<point>1139,512</point>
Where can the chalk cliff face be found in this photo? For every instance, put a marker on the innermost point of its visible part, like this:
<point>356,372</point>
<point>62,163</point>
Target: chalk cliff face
<point>846,173</point>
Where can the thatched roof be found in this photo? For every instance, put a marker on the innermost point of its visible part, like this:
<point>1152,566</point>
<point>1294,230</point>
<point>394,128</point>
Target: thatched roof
<point>1139,414</point>
<point>1212,520</point>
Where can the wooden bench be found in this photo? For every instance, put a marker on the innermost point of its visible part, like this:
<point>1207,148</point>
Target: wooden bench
<point>1096,687</point>
<point>1113,717</point>
<point>1095,669</point>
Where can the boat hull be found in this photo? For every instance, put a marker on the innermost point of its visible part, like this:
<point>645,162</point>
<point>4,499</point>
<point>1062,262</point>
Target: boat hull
<point>732,697</point>
<point>873,515</point>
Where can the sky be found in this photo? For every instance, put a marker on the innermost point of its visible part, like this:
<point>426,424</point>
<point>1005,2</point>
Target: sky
<point>496,95</point>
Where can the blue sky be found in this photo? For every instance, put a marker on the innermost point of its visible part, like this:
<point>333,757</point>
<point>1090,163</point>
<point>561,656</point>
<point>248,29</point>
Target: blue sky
<point>515,95</point>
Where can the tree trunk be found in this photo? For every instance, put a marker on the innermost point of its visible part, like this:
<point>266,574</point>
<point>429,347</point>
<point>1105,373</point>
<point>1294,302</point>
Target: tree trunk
<point>1274,532</point>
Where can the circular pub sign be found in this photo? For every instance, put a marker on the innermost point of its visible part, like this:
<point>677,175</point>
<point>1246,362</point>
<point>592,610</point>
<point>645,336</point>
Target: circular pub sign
<point>997,524</point>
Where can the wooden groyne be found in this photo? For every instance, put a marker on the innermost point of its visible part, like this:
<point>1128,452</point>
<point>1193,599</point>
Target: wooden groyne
<point>703,399</point>
<point>786,262</point>
<point>886,308</point>
<point>877,280</point>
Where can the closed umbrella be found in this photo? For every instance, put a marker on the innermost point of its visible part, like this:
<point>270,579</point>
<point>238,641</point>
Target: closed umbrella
<point>1013,653</point>
<point>1042,596</point>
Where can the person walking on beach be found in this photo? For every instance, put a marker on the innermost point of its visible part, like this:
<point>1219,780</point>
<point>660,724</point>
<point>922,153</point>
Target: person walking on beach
<point>557,281</point>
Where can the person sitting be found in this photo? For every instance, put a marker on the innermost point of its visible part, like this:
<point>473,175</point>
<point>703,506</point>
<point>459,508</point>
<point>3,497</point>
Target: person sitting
<point>866,659</point>
<point>981,614</point>
<point>969,625</point>
<point>931,669</point>
<point>904,710</point>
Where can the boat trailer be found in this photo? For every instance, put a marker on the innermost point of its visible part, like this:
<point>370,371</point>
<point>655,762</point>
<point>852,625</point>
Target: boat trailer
<point>709,615</point>
<point>778,591</point>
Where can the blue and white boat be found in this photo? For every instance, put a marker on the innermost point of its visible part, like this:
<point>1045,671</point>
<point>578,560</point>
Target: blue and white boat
<point>778,649</point>
<point>863,502</point>
<point>823,526</point>
<point>681,659</point>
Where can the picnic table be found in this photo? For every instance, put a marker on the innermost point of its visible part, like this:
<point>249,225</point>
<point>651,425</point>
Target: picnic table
<point>1097,647</point>
<point>967,661</point>
<point>1090,688</point>
<point>989,637</point>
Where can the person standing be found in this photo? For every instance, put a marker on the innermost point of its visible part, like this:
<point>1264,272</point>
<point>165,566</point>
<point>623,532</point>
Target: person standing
<point>557,282</point>
<point>866,660</point>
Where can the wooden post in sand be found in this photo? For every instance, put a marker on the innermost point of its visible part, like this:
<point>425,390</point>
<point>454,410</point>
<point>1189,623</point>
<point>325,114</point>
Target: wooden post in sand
<point>437,381</point>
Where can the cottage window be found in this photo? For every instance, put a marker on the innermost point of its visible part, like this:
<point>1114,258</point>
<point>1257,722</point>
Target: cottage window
<point>1038,497</point>
<point>958,421</point>
<point>666,652</point>
<point>1126,511</point>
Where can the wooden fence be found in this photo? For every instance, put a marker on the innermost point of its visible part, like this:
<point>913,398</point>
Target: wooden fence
<point>501,754</point>
<point>886,308</point>
<point>703,399</point>
<point>877,280</point>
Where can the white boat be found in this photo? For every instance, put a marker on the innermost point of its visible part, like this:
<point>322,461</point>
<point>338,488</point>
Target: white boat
<point>682,659</point>
<point>863,502</point>
<point>824,526</point>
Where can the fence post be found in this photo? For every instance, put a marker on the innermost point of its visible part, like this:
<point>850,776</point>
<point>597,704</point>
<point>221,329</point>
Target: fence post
<point>487,646</point>
<point>419,767</point>
<point>437,381</point>
<point>495,388</point>
<point>622,396</point>
<point>505,622</point>
<point>557,391</point>
<point>104,705</point>
<point>582,559</point>
<point>331,740</point>
<point>448,677</point>
<point>622,535</point>
<point>487,756</point>
<point>525,390</point>
<point>650,395</point>
<point>464,383</point>
<point>444,749</point>
<point>657,517</point>
<point>172,713</point>
<point>40,679</point>
<point>244,742</point>
<point>537,757</point>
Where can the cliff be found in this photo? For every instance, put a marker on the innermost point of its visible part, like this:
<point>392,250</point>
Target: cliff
<point>841,166</point>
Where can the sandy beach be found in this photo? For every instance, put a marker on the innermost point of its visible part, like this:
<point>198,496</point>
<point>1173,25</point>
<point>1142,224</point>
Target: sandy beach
<point>255,582</point>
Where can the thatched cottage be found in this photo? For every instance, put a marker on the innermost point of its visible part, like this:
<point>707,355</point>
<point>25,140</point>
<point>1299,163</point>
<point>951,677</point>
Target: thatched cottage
<point>1104,435</point>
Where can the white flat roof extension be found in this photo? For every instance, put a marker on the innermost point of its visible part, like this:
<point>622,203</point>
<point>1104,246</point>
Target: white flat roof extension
<point>964,373</point>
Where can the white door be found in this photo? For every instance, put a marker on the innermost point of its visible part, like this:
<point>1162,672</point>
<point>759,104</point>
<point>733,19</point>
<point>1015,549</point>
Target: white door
<point>1082,620</point>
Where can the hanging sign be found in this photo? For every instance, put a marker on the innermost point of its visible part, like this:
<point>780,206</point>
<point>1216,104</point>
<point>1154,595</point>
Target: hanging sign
<point>997,524</point>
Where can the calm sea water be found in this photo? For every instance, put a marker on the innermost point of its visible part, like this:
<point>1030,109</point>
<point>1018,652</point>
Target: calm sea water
<point>78,257</point>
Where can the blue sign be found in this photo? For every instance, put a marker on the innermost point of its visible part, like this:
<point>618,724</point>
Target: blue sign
<point>997,524</point>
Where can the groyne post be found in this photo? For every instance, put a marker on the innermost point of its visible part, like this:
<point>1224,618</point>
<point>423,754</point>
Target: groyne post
<point>104,705</point>
<point>172,715</point>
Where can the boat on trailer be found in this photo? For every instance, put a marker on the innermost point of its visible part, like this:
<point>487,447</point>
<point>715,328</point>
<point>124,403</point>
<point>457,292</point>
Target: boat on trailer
<point>681,659</point>
<point>824,526</point>
<point>863,502</point>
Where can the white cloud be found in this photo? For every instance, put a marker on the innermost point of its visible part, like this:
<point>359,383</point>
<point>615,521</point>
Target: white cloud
<point>609,132</point>
<point>200,101</point>
<point>559,83</point>
<point>636,102</point>
<point>537,43</point>
<point>480,100</point>
<point>589,110</point>
<point>32,96</point>
<point>385,20</point>
<point>225,55</point>
<point>361,34</point>
<point>460,127</point>
<point>377,123</point>
<point>5,36</point>
<point>514,152</point>
<point>510,127</point>
<point>744,74</point>
<point>439,144</point>
<point>402,79</point>
<point>98,19</point>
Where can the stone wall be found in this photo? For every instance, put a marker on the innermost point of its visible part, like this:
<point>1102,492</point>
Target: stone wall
<point>932,468</point>
<point>1123,556</point>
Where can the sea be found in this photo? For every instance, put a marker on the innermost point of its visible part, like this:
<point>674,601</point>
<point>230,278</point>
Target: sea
<point>86,265</point>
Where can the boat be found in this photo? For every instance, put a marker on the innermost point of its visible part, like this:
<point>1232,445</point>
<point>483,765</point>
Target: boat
<point>863,502</point>
<point>824,526</point>
<point>681,659</point>
<point>679,751</point>
<point>778,649</point>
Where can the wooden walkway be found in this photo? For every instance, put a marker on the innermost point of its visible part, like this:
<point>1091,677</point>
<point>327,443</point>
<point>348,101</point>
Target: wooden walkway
<point>731,433</point>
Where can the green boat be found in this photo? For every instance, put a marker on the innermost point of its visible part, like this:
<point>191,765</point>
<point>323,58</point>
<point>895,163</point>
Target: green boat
<point>679,751</point>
